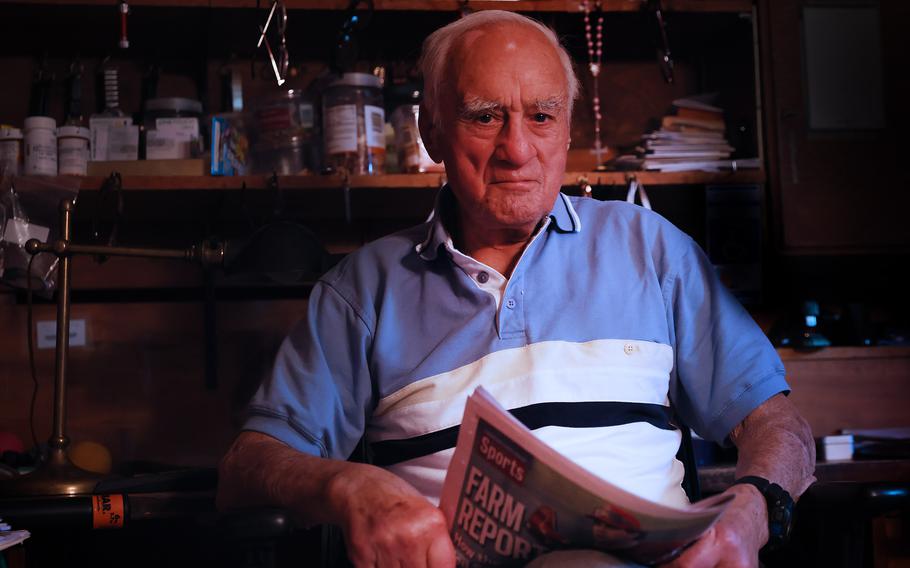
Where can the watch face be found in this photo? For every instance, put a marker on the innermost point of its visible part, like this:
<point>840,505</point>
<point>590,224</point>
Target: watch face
<point>780,515</point>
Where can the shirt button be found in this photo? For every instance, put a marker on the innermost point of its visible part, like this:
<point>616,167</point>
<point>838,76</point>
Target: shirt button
<point>482,277</point>
<point>629,348</point>
<point>510,303</point>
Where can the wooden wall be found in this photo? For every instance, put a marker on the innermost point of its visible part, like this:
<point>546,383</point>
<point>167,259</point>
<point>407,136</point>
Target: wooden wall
<point>138,386</point>
<point>850,387</point>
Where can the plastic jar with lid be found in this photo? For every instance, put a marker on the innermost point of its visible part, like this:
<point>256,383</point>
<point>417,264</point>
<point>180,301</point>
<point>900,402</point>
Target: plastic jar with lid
<point>11,150</point>
<point>72,150</point>
<point>171,128</point>
<point>353,124</point>
<point>40,146</point>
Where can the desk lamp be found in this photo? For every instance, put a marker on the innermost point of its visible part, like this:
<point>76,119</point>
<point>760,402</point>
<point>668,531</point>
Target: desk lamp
<point>279,248</point>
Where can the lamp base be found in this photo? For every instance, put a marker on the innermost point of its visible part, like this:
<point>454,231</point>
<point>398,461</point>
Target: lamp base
<point>55,476</point>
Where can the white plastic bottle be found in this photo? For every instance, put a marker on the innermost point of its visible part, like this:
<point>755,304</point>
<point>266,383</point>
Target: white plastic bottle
<point>40,146</point>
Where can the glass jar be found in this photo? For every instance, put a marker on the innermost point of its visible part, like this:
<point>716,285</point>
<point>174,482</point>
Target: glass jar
<point>353,124</point>
<point>283,135</point>
<point>412,154</point>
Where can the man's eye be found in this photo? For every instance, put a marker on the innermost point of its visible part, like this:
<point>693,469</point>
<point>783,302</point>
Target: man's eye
<point>485,118</point>
<point>541,117</point>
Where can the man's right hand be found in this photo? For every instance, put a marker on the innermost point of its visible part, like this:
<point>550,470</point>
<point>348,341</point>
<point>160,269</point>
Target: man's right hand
<point>386,522</point>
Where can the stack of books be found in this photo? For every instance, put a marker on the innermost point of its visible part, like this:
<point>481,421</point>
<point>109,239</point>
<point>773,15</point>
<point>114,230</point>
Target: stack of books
<point>690,138</point>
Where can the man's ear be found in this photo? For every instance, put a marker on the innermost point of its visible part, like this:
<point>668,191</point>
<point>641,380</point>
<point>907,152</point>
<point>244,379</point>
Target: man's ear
<point>429,133</point>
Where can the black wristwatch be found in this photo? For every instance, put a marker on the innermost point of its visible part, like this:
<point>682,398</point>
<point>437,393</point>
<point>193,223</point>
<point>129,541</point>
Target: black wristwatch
<point>780,510</point>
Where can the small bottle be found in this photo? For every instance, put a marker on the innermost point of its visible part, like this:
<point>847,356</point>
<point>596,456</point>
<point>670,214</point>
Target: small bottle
<point>72,150</point>
<point>10,150</point>
<point>40,146</point>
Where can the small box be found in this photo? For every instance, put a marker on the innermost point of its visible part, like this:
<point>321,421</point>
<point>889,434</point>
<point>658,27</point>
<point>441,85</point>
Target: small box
<point>838,448</point>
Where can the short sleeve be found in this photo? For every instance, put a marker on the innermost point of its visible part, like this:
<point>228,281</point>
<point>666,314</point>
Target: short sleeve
<point>725,366</point>
<point>319,392</point>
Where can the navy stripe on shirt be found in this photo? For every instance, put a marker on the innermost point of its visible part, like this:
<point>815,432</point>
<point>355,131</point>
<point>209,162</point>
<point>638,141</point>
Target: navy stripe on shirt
<point>534,416</point>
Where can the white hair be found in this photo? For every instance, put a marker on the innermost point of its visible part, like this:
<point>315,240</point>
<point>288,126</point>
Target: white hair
<point>437,51</point>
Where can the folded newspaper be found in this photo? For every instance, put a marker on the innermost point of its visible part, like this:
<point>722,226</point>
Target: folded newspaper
<point>509,497</point>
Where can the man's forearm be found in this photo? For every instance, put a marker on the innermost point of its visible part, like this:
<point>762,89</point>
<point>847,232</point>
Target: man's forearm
<point>261,471</point>
<point>776,443</point>
<point>385,520</point>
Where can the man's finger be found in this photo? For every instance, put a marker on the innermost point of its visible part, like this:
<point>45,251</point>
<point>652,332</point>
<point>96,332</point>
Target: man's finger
<point>699,555</point>
<point>441,553</point>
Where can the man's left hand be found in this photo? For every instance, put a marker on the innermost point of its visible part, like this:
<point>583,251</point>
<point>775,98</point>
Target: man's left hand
<point>736,538</point>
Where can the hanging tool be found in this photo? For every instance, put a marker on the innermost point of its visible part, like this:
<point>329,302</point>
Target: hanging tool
<point>278,12</point>
<point>664,56</point>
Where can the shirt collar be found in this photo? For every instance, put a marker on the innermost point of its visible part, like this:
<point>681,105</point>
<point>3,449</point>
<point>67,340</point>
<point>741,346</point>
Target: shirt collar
<point>565,220</point>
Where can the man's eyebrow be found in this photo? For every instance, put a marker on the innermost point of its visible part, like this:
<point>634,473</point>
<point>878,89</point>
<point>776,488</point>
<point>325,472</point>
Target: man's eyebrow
<point>551,105</point>
<point>475,106</point>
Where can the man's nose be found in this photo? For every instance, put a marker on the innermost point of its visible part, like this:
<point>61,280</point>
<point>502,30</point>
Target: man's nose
<point>514,144</point>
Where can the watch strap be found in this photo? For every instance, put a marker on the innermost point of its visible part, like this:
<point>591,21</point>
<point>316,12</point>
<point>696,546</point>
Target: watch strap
<point>780,509</point>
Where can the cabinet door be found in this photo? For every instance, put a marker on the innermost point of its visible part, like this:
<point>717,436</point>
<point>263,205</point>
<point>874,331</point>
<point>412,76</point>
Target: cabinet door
<point>838,165</point>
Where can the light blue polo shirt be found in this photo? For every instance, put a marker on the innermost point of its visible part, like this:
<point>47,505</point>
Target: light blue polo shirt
<point>610,314</point>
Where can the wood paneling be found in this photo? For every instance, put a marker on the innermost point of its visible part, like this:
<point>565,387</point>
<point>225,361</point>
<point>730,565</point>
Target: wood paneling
<point>850,387</point>
<point>138,386</point>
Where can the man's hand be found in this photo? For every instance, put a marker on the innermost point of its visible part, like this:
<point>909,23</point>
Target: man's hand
<point>386,522</point>
<point>736,538</point>
<point>774,442</point>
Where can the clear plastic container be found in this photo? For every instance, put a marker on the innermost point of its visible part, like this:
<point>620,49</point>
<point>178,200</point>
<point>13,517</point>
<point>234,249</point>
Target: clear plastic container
<point>353,124</point>
<point>284,135</point>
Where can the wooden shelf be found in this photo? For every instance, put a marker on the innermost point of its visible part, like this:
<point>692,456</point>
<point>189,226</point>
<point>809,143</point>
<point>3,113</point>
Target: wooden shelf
<point>388,181</point>
<point>429,5</point>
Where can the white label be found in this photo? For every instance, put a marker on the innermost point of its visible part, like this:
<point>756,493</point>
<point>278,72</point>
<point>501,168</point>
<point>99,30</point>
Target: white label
<point>164,145</point>
<point>374,122</point>
<point>10,156</point>
<point>182,128</point>
<point>19,232</point>
<point>341,129</point>
<point>172,139</point>
<point>47,333</point>
<point>306,115</point>
<point>123,143</point>
<point>41,152</point>
<point>102,139</point>
<point>73,156</point>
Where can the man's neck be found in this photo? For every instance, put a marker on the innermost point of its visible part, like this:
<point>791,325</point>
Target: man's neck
<point>499,249</point>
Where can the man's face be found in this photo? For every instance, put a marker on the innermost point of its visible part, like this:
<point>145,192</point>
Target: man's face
<point>504,132</point>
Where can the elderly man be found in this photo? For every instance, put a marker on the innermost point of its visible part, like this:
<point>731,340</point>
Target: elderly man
<point>596,315</point>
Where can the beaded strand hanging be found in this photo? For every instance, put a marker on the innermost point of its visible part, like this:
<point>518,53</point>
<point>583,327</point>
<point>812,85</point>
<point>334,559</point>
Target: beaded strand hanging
<point>595,60</point>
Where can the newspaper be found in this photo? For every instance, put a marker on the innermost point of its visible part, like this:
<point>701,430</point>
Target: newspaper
<point>509,497</point>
